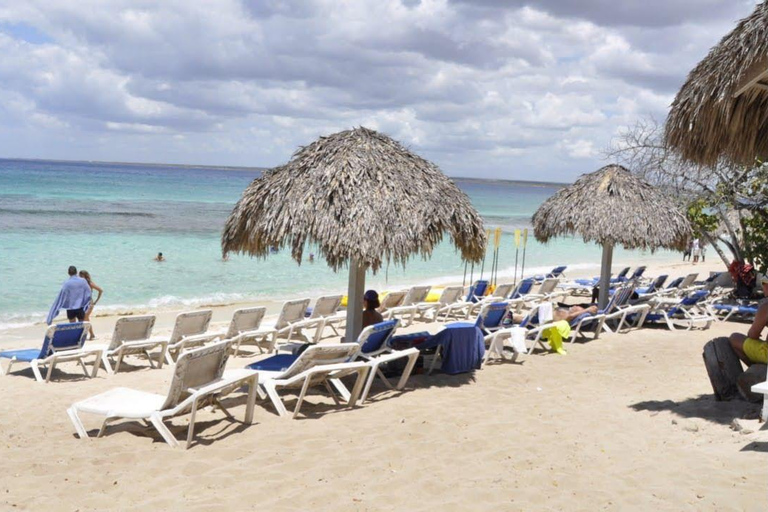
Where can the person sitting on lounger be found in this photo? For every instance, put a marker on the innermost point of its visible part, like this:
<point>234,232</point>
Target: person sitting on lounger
<point>751,348</point>
<point>370,303</point>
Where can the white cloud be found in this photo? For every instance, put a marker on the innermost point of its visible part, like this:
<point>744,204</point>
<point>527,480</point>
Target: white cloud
<point>518,89</point>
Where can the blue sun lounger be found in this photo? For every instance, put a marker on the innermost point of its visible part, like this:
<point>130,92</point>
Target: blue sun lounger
<point>555,272</point>
<point>62,342</point>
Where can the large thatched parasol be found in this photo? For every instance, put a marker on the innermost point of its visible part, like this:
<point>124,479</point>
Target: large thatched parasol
<point>363,199</point>
<point>612,206</point>
<point>722,109</point>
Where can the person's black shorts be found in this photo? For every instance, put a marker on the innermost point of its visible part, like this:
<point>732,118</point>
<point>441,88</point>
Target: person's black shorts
<point>76,314</point>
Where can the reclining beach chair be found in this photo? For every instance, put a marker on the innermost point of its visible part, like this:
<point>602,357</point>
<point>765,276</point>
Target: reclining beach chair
<point>501,293</point>
<point>189,330</point>
<point>199,379</point>
<point>686,311</point>
<point>289,322</point>
<point>409,307</point>
<point>391,300</point>
<point>62,343</point>
<point>618,309</point>
<point>447,305</point>
<point>636,275</point>
<point>656,287</point>
<point>547,292</point>
<point>491,316</point>
<point>132,336</point>
<point>375,350</point>
<point>558,272</point>
<point>325,314</point>
<point>317,365</point>
<point>619,278</point>
<point>724,311</point>
<point>245,328</point>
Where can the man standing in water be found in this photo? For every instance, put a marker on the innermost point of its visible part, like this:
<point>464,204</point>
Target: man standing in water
<point>75,296</point>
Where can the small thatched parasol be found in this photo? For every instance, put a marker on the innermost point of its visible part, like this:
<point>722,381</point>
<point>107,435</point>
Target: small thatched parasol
<point>722,109</point>
<point>612,206</point>
<point>363,199</point>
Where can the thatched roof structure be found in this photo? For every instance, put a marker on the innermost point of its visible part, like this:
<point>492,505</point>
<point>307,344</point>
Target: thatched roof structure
<point>722,109</point>
<point>358,195</point>
<point>613,206</point>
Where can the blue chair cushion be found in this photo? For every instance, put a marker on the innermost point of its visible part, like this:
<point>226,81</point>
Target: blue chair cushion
<point>276,363</point>
<point>26,354</point>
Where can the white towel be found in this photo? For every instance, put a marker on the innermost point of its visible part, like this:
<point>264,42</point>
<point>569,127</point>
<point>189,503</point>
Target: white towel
<point>545,313</point>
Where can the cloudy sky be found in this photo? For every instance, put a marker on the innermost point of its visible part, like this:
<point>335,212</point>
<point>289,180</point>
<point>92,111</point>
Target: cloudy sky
<point>508,89</point>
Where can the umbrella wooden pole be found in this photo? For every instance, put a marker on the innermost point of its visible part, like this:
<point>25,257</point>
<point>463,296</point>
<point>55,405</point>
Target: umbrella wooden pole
<point>605,275</point>
<point>355,292</point>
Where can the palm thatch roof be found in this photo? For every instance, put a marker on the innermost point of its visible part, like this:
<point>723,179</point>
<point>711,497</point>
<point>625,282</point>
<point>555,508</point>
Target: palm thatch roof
<point>722,109</point>
<point>358,195</point>
<point>612,206</point>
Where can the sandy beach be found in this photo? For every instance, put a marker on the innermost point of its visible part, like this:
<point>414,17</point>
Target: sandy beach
<point>626,422</point>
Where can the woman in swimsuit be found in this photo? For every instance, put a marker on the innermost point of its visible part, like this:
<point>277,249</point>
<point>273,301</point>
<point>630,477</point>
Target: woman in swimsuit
<point>85,275</point>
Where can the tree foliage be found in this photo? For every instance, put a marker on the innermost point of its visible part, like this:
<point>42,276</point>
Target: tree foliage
<point>727,204</point>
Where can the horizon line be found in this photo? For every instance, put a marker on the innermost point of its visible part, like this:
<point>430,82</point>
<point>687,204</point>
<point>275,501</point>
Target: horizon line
<point>256,168</point>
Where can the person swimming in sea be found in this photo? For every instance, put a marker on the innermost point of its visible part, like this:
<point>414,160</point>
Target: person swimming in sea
<point>159,257</point>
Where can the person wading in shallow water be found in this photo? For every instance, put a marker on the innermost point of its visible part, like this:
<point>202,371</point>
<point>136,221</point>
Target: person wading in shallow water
<point>159,257</point>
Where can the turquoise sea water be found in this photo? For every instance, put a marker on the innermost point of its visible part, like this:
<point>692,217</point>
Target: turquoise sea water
<point>111,219</point>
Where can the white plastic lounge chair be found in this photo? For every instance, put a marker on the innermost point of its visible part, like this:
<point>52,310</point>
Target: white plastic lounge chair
<point>409,307</point>
<point>374,349</point>
<point>317,365</point>
<point>500,293</point>
<point>325,314</point>
<point>190,330</point>
<point>391,300</point>
<point>546,292</point>
<point>447,305</point>
<point>199,379</point>
<point>688,312</point>
<point>292,314</point>
<point>245,328</point>
<point>132,335</point>
<point>62,342</point>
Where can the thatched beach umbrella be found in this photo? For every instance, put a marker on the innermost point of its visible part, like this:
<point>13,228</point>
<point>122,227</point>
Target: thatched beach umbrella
<point>722,109</point>
<point>363,199</point>
<point>612,207</point>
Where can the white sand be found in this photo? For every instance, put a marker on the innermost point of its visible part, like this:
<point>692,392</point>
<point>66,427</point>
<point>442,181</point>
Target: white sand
<point>626,422</point>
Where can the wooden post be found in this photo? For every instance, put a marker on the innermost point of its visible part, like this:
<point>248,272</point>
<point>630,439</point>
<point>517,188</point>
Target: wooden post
<point>605,275</point>
<point>355,292</point>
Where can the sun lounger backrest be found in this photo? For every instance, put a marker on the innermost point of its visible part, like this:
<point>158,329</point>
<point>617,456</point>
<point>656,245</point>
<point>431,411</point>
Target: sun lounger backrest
<point>688,281</point>
<point>415,295</point>
<point>450,295</point>
<point>246,319</point>
<point>548,286</point>
<point>196,368</point>
<point>191,324</point>
<point>639,271</point>
<point>503,290</point>
<point>675,283</point>
<point>374,337</point>
<point>623,273</point>
<point>657,283</point>
<point>492,314</point>
<point>63,337</point>
<point>391,300</point>
<point>478,289</point>
<point>326,305</point>
<point>557,271</point>
<point>317,355</point>
<point>293,311</point>
<point>524,287</point>
<point>132,328</point>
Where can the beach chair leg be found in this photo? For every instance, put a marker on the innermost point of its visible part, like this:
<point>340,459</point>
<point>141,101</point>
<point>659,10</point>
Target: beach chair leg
<point>96,365</point>
<point>104,426</point>
<point>107,365</point>
<point>434,360</point>
<point>360,380</point>
<point>36,371</point>
<point>341,389</point>
<point>303,392</point>
<point>764,411</point>
<point>226,412</point>
<point>168,356</point>
<point>166,434</point>
<point>191,428</point>
<point>271,390</point>
<point>253,386</point>
<point>331,392</point>
<point>369,381</point>
<point>2,370</point>
<point>412,358</point>
<point>75,419</point>
<point>82,366</point>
